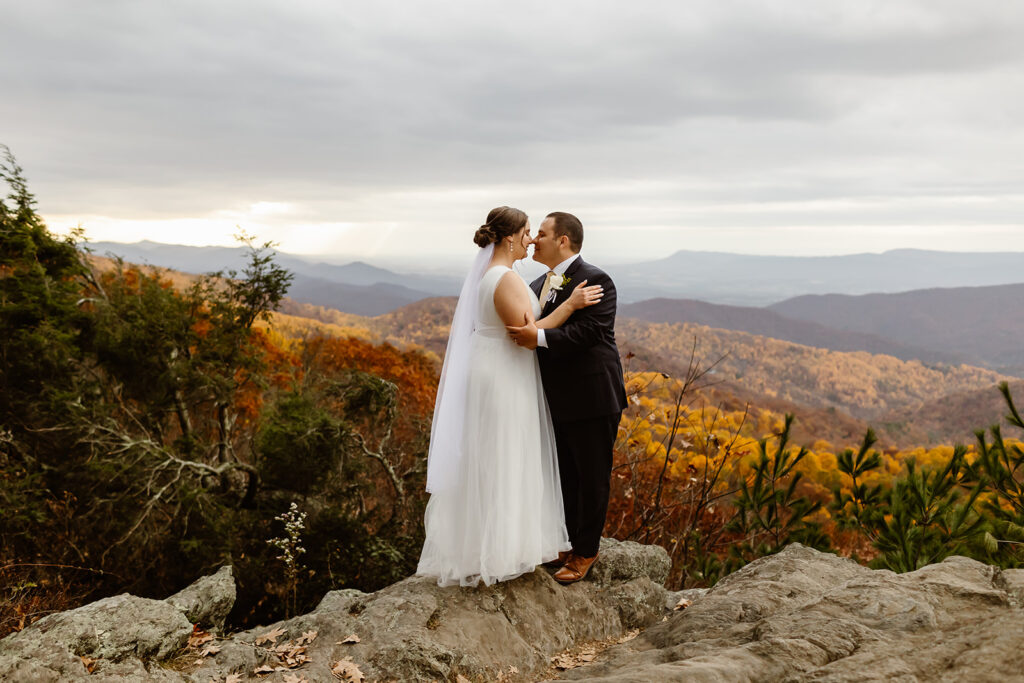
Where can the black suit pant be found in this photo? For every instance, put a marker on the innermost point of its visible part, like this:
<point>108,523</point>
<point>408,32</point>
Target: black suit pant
<point>585,468</point>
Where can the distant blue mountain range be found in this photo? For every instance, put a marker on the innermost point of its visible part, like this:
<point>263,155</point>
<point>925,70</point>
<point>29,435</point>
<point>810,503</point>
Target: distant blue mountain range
<point>761,280</point>
<point>355,287</point>
<point>961,307</point>
<point>714,277</point>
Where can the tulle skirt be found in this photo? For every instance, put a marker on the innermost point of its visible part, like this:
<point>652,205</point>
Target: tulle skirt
<point>504,514</point>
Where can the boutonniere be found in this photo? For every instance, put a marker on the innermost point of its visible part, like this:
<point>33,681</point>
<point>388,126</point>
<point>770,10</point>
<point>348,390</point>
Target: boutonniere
<point>559,281</point>
<point>555,284</point>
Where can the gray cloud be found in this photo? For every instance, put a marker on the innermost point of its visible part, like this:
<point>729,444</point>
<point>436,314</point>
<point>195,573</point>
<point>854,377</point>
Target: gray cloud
<point>422,114</point>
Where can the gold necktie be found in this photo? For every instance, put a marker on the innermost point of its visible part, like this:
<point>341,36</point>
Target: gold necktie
<point>546,288</point>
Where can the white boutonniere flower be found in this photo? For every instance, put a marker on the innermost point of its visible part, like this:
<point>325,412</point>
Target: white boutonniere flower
<point>555,284</point>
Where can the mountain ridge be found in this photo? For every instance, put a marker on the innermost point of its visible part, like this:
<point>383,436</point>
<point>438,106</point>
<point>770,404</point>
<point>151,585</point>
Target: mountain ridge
<point>715,277</point>
<point>754,280</point>
<point>769,323</point>
<point>948,319</point>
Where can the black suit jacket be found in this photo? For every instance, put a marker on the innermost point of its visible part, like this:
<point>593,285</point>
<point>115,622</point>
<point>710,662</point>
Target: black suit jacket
<point>580,368</point>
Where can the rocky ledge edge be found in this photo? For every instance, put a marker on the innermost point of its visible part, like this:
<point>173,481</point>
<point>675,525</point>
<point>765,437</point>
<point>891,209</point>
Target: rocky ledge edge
<point>799,615</point>
<point>410,631</point>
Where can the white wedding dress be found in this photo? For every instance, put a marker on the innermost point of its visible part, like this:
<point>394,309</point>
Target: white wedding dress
<point>502,513</point>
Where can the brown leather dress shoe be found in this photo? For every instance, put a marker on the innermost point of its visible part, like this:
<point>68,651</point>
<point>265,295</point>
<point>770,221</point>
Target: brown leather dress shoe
<point>559,561</point>
<point>575,569</point>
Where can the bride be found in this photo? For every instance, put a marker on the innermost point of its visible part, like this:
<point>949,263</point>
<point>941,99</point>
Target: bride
<point>495,509</point>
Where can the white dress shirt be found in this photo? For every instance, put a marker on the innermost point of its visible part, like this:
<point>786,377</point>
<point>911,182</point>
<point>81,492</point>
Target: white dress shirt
<point>558,270</point>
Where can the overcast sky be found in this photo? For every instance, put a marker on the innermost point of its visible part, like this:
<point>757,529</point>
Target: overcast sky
<point>388,129</point>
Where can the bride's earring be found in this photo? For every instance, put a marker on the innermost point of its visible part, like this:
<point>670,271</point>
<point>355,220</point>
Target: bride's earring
<point>510,247</point>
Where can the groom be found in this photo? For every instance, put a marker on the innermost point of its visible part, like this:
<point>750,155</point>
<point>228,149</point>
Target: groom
<point>582,376</point>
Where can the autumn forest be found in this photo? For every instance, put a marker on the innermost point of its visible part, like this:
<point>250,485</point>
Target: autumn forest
<point>156,425</point>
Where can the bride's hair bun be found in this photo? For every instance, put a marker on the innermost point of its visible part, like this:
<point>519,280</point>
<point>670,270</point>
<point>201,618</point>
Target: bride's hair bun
<point>484,236</point>
<point>501,222</point>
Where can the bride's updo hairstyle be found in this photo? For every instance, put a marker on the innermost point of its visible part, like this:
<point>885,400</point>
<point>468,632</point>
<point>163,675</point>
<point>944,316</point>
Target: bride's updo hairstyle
<point>501,223</point>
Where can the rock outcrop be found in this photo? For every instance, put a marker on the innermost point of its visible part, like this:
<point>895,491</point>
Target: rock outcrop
<point>800,615</point>
<point>117,637</point>
<point>208,601</point>
<point>803,615</point>
<point>412,630</point>
<point>121,631</point>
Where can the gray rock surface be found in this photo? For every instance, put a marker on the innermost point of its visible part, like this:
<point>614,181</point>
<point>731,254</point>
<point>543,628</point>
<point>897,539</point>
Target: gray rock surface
<point>417,631</point>
<point>800,615</point>
<point>1012,581</point>
<point>803,615</point>
<point>410,631</point>
<point>118,629</point>
<point>672,599</point>
<point>207,601</point>
<point>624,560</point>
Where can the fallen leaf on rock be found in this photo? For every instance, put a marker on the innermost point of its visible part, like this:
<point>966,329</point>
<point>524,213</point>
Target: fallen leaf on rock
<point>564,662</point>
<point>579,657</point>
<point>233,678</point>
<point>291,655</point>
<point>289,649</point>
<point>664,618</point>
<point>630,635</point>
<point>348,671</point>
<point>265,669</point>
<point>89,663</point>
<point>348,639</point>
<point>513,670</point>
<point>307,637</point>
<point>270,637</point>
<point>199,637</point>
<point>462,679</point>
<point>210,650</point>
<point>683,603</point>
<point>292,678</point>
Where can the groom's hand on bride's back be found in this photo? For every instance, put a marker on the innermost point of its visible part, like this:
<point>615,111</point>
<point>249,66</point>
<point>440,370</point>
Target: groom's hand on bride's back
<point>526,334</point>
<point>583,296</point>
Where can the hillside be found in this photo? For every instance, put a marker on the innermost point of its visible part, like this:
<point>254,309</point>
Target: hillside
<point>424,323</point>
<point>949,418</point>
<point>982,324</point>
<point>769,323</point>
<point>835,395</point>
<point>324,314</point>
<point>300,327</point>
<point>357,299</point>
<point>864,385</point>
